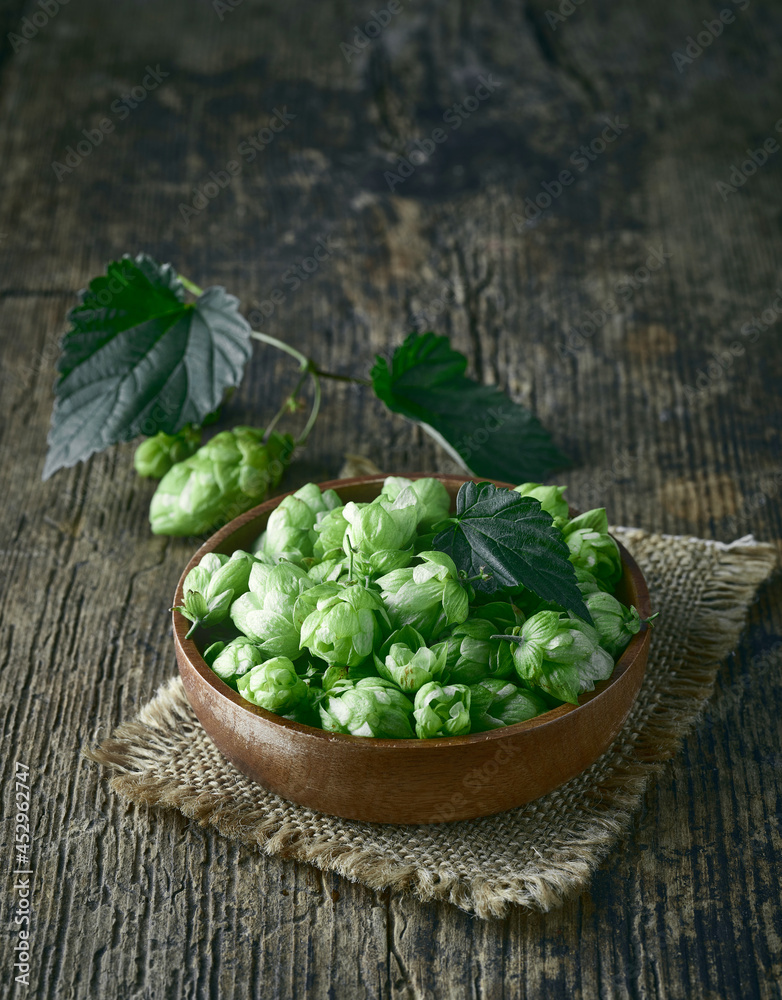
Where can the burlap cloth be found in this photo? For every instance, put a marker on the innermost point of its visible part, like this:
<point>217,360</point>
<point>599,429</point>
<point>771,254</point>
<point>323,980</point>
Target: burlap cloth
<point>535,856</point>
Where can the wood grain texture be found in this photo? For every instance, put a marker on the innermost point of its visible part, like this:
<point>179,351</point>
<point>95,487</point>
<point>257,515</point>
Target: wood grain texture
<point>135,905</point>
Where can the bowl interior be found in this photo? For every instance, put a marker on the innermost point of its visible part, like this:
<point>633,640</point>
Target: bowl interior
<point>244,530</point>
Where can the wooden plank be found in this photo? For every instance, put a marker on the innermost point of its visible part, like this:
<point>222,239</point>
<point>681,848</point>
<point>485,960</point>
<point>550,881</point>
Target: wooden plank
<point>132,904</point>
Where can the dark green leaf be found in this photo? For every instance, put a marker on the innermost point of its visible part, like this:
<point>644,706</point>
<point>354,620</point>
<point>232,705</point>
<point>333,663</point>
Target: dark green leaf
<point>139,360</point>
<point>480,426</point>
<point>511,538</point>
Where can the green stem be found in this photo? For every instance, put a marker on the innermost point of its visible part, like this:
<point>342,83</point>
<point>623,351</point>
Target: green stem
<point>191,287</point>
<point>313,412</point>
<point>285,406</point>
<point>342,378</point>
<point>307,368</point>
<point>306,364</point>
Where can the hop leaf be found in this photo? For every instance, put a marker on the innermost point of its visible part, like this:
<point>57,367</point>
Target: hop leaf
<point>425,381</point>
<point>501,539</point>
<point>138,359</point>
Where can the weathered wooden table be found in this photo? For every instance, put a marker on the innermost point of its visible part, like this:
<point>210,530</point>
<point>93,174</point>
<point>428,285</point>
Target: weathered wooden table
<point>574,233</point>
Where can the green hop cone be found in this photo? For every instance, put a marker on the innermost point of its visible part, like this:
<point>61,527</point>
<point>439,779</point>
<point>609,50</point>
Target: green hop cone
<point>212,585</point>
<point>266,613</point>
<point>235,659</point>
<point>273,685</point>
<point>428,596</point>
<point>330,528</point>
<point>313,599</point>
<point>586,582</point>
<point>278,587</point>
<point>593,549</point>
<point>204,613</point>
<point>289,532</point>
<point>550,497</point>
<point>431,492</point>
<point>223,572</point>
<point>442,710</point>
<point>615,623</point>
<point>328,571</point>
<point>560,654</point>
<point>334,677</point>
<point>226,476</point>
<point>345,627</point>
<point>547,636</point>
<point>405,659</point>
<point>495,703</point>
<point>380,535</point>
<point>473,653</point>
<point>212,651</point>
<point>155,456</point>
<point>372,706</point>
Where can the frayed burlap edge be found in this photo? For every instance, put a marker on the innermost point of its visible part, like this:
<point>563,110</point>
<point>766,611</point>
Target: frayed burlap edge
<point>714,630</point>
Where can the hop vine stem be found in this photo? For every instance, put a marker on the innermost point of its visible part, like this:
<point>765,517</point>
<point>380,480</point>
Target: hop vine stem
<point>308,370</point>
<point>190,286</point>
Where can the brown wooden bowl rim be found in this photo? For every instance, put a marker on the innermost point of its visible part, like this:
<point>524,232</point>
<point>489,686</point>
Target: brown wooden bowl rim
<point>635,648</point>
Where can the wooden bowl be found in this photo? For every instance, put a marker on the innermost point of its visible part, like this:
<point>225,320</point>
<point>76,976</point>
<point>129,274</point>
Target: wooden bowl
<point>407,781</point>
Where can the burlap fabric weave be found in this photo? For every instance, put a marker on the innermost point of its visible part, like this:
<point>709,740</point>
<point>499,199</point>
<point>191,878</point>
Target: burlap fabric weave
<point>535,856</point>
